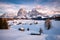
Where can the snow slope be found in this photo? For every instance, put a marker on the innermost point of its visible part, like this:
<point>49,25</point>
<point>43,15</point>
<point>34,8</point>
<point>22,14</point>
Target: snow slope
<point>14,34</point>
<point>55,26</point>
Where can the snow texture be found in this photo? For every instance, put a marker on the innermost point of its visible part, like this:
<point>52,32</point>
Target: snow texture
<point>14,34</point>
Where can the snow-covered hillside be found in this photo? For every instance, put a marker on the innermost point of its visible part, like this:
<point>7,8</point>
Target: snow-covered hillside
<point>31,24</point>
<point>14,34</point>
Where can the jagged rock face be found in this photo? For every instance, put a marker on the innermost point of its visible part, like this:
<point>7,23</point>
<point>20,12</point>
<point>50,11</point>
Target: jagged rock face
<point>35,13</point>
<point>21,12</point>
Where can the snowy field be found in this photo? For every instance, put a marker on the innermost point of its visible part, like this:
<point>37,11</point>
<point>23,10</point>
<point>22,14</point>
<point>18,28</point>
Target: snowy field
<point>14,34</point>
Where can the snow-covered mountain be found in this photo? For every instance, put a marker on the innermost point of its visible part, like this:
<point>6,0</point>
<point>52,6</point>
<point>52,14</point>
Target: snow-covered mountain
<point>8,15</point>
<point>35,13</point>
<point>22,13</point>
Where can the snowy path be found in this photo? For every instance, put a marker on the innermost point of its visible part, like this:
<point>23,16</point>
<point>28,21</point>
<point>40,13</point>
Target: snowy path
<point>13,34</point>
<point>18,35</point>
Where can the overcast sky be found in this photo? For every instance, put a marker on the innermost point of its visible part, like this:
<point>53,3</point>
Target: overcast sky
<point>12,6</point>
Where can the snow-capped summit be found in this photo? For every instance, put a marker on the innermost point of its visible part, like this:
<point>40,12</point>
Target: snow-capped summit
<point>35,13</point>
<point>21,13</point>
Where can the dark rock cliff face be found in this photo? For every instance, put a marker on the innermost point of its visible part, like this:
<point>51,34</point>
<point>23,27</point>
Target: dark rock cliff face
<point>34,12</point>
<point>21,12</point>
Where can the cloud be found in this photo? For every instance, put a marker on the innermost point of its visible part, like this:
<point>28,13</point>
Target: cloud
<point>48,8</point>
<point>7,8</point>
<point>12,8</point>
<point>52,6</point>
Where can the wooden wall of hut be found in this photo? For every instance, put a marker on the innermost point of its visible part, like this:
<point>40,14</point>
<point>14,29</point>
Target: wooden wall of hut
<point>3,23</point>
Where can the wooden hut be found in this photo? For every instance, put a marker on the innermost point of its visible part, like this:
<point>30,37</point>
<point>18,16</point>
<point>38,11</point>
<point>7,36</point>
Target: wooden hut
<point>3,23</point>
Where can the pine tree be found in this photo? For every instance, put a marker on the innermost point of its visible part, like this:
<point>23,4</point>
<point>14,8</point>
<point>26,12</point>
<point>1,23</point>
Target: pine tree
<point>47,24</point>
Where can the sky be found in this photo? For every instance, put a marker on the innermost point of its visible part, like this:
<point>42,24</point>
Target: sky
<point>12,6</point>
